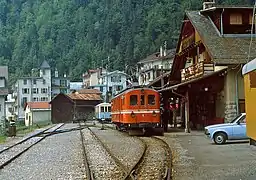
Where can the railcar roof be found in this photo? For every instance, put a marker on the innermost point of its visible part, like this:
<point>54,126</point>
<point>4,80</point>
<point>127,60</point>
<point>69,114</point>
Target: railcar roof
<point>131,89</point>
<point>249,67</point>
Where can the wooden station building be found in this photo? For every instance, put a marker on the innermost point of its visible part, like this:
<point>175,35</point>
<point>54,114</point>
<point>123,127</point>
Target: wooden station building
<point>206,81</point>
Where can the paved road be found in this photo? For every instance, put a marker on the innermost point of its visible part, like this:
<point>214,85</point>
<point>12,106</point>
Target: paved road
<point>196,158</point>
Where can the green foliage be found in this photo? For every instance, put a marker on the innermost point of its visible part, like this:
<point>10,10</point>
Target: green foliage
<point>75,35</point>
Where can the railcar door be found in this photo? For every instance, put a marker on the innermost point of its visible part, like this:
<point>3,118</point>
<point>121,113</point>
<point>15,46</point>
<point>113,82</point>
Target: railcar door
<point>143,107</point>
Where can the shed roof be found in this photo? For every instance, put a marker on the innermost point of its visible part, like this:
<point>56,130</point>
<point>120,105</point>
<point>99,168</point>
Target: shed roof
<point>223,50</point>
<point>85,97</point>
<point>89,91</point>
<point>249,67</point>
<point>38,105</point>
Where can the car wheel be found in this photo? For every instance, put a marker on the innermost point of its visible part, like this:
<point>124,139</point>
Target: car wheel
<point>220,138</point>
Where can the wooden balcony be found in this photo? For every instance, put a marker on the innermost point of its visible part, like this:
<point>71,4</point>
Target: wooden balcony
<point>196,70</point>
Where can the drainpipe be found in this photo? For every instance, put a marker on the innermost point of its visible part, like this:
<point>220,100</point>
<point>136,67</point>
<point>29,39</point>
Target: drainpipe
<point>221,23</point>
<point>237,93</point>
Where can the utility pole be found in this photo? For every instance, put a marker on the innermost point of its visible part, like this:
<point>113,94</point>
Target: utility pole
<point>107,97</point>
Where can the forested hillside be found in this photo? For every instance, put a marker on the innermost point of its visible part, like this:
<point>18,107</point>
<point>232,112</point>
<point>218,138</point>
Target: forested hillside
<point>74,35</point>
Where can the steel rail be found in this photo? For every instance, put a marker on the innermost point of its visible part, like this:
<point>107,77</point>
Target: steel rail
<point>27,148</point>
<point>168,170</point>
<point>89,174</point>
<point>117,161</point>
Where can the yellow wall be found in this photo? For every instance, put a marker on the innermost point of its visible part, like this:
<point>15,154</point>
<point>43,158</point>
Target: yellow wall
<point>250,102</point>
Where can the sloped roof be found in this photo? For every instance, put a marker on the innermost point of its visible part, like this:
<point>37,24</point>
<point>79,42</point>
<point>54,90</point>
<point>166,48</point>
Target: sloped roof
<point>38,105</point>
<point>89,91</point>
<point>85,97</point>
<point>115,72</point>
<point>154,57</point>
<point>45,65</point>
<point>223,50</point>
<point>4,91</point>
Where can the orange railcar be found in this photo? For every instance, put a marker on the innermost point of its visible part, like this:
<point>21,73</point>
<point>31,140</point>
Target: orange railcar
<point>136,109</point>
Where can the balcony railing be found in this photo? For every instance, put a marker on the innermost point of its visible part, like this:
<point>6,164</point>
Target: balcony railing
<point>196,70</point>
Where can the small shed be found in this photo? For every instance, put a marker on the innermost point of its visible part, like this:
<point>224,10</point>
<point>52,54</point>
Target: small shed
<point>73,107</point>
<point>37,112</point>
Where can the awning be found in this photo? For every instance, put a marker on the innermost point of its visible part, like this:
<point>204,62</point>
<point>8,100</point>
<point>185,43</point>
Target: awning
<point>193,80</point>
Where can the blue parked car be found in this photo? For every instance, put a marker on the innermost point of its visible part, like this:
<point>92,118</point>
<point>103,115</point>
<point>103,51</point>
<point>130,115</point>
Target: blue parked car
<point>235,130</point>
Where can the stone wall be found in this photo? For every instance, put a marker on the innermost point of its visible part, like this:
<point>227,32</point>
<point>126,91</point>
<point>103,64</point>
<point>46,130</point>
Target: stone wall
<point>230,111</point>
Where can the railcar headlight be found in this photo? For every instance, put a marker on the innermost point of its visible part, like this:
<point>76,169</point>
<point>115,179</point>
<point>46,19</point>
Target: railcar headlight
<point>133,114</point>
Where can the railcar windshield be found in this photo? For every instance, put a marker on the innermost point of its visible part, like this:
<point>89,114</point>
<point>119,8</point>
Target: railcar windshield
<point>151,100</point>
<point>133,100</point>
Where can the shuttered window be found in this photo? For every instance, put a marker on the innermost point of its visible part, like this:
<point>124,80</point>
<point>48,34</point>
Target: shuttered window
<point>252,79</point>
<point>236,19</point>
<point>250,19</point>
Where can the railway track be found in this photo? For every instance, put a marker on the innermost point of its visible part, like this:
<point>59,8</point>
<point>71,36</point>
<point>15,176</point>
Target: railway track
<point>152,164</point>
<point>118,170</point>
<point>7,155</point>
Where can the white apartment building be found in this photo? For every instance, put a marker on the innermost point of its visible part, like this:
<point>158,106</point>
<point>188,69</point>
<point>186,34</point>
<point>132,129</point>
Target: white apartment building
<point>60,84</point>
<point>31,89</point>
<point>3,90</point>
<point>113,83</point>
<point>154,65</point>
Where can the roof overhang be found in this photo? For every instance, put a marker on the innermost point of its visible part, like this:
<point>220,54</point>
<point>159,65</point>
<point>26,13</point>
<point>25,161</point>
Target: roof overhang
<point>249,67</point>
<point>192,81</point>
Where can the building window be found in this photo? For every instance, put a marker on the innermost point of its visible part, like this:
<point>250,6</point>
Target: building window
<point>151,100</point>
<point>34,81</point>
<point>24,101</point>
<point>35,99</point>
<point>119,88</point>
<point>44,98</point>
<point>25,91</point>
<point>133,100</point>
<point>44,90</point>
<point>63,83</point>
<point>101,89</point>
<point>112,79</point>
<point>250,19</point>
<point>236,19</point>
<point>43,81</point>
<point>43,71</point>
<point>35,90</point>
<point>25,82</point>
<point>149,76</point>
<point>0,107</point>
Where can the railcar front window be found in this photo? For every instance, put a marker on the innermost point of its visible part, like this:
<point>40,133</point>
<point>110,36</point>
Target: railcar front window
<point>102,109</point>
<point>133,100</point>
<point>151,100</point>
<point>109,109</point>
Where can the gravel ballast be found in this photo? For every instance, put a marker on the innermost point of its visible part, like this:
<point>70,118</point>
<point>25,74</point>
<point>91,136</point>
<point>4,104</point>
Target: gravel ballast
<point>57,157</point>
<point>127,149</point>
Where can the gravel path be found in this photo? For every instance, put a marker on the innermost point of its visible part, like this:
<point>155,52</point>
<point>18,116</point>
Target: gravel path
<point>127,149</point>
<point>100,162</point>
<point>56,157</point>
